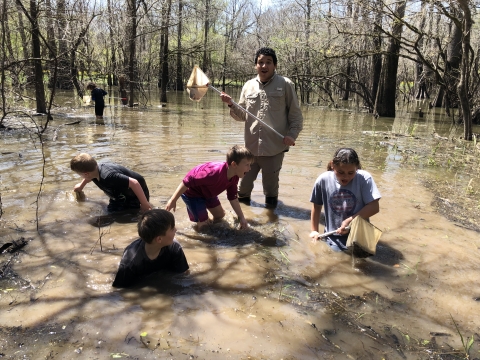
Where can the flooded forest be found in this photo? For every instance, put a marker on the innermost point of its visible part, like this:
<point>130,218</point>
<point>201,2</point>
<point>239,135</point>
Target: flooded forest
<point>396,81</point>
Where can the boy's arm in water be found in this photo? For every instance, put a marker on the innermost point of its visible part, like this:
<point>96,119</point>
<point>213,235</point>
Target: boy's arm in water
<point>138,190</point>
<point>314,221</point>
<point>172,203</point>
<point>79,187</point>
<point>238,210</point>
<point>367,211</point>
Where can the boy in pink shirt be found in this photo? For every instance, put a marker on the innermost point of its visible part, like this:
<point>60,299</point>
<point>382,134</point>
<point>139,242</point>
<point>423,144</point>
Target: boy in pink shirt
<point>202,185</point>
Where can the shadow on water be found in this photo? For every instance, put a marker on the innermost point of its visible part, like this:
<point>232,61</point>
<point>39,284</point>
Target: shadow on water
<point>283,210</point>
<point>292,211</point>
<point>380,266</point>
<point>311,303</point>
<point>166,283</point>
<point>222,234</point>
<point>109,219</point>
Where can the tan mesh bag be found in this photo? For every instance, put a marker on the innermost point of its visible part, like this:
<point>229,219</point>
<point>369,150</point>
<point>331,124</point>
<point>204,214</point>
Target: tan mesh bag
<point>197,85</point>
<point>363,238</point>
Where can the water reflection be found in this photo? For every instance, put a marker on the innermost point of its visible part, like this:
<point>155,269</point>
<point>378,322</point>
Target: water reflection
<point>250,293</point>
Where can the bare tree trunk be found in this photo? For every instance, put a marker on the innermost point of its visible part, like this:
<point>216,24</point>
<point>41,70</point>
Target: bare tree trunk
<point>179,77</point>
<point>376,64</point>
<point>328,83</point>
<point>308,70</point>
<point>10,55</point>
<point>64,80</point>
<point>205,64</point>
<point>73,57</point>
<point>132,38</point>
<point>420,76</point>
<point>112,74</point>
<point>348,69</point>
<point>28,70</point>
<point>164,52</point>
<point>52,51</point>
<point>2,68</point>
<point>39,86</point>
<point>385,102</point>
<point>452,66</point>
<point>462,87</point>
<point>346,92</point>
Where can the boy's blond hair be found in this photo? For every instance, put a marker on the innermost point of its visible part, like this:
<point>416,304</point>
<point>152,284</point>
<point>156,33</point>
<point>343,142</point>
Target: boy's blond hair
<point>83,163</point>
<point>238,153</point>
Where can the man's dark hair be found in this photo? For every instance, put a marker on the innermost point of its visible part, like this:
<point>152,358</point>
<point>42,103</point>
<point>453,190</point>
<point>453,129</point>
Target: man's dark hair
<point>153,223</point>
<point>266,51</point>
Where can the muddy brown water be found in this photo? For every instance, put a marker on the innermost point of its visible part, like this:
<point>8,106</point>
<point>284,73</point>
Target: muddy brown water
<point>263,293</point>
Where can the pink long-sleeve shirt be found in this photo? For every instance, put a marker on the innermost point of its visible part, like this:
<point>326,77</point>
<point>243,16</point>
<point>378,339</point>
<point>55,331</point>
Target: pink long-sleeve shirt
<point>209,180</point>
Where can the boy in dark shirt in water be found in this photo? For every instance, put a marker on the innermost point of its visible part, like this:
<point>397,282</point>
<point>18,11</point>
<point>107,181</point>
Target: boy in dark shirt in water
<point>125,188</point>
<point>156,249</point>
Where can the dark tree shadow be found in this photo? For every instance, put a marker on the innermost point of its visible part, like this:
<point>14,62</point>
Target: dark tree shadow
<point>223,234</point>
<point>284,210</point>
<point>121,217</point>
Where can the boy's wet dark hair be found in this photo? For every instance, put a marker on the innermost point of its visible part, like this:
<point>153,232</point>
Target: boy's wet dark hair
<point>83,163</point>
<point>345,156</point>
<point>91,85</point>
<point>266,51</point>
<point>153,223</point>
<point>238,153</point>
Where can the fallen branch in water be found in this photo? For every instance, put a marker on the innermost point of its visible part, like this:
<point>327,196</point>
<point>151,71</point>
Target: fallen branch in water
<point>101,233</point>
<point>74,123</point>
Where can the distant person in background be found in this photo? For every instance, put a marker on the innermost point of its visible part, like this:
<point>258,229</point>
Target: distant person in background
<point>272,99</point>
<point>97,96</point>
<point>125,188</point>
<point>157,249</point>
<point>345,191</point>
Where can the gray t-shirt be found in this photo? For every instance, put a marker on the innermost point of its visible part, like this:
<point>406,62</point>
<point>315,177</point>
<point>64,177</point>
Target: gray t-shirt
<point>340,202</point>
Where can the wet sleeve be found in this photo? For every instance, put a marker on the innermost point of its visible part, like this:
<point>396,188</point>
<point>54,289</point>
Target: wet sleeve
<point>232,190</point>
<point>178,260</point>
<point>125,277</point>
<point>235,112</point>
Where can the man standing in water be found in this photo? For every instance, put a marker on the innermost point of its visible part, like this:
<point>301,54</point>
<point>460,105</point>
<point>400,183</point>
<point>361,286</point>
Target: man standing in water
<point>273,100</point>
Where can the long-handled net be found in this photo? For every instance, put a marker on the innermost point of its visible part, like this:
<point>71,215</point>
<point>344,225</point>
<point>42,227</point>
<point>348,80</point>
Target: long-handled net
<point>198,85</point>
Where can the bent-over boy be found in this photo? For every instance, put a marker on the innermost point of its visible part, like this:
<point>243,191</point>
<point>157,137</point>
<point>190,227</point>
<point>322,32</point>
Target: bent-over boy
<point>202,185</point>
<point>125,188</point>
